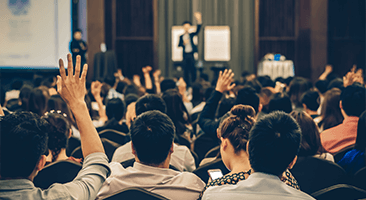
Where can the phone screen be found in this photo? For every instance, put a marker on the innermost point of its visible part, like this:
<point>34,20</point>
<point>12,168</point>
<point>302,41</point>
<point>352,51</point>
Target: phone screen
<point>214,174</point>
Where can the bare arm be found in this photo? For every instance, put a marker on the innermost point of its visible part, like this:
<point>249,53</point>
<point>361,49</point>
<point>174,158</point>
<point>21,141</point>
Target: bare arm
<point>148,82</point>
<point>96,87</point>
<point>72,89</point>
<point>327,71</point>
<point>1,111</point>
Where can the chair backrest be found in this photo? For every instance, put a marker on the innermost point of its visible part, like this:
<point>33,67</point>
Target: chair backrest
<point>340,154</point>
<point>134,193</point>
<point>109,148</point>
<point>314,174</point>
<point>130,162</point>
<point>359,179</point>
<point>115,136</point>
<point>216,164</point>
<point>339,192</point>
<point>213,152</point>
<point>196,158</point>
<point>62,171</point>
<point>72,144</point>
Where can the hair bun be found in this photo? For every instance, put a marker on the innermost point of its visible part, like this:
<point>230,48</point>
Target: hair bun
<point>243,111</point>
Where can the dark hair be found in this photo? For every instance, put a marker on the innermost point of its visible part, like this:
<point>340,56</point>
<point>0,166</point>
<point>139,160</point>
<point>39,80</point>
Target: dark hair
<point>266,81</point>
<point>24,96</point>
<point>150,102</point>
<point>152,136</point>
<point>321,85</point>
<point>187,22</point>
<point>248,96</point>
<point>265,97</point>
<point>121,86</point>
<point>311,100</point>
<point>167,84</point>
<point>280,101</point>
<point>58,133</point>
<point>353,100</point>
<point>55,102</point>
<point>130,98</point>
<point>274,141</point>
<point>49,82</point>
<point>110,80</point>
<point>255,84</point>
<point>236,127</point>
<point>115,109</point>
<point>361,133</point>
<point>330,111</point>
<point>16,84</point>
<point>225,106</point>
<point>297,87</point>
<point>132,89</point>
<point>23,141</point>
<point>37,80</point>
<point>176,110</point>
<point>78,30</point>
<point>197,93</point>
<point>336,83</point>
<point>38,99</point>
<point>310,142</point>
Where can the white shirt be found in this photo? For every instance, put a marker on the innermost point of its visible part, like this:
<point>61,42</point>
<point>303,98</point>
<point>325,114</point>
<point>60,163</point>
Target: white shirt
<point>257,186</point>
<point>188,46</point>
<point>181,158</point>
<point>166,182</point>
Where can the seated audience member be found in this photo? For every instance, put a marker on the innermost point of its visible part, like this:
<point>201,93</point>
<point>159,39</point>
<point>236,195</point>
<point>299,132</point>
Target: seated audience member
<point>113,83</point>
<point>233,134</point>
<point>59,133</point>
<point>24,142</point>
<point>296,89</point>
<point>38,99</point>
<point>281,102</point>
<point>22,104</point>
<point>115,111</point>
<point>354,159</point>
<point>152,135</point>
<point>273,145</point>
<point>310,102</point>
<point>310,141</point>
<point>330,114</point>
<point>352,104</point>
<point>181,158</point>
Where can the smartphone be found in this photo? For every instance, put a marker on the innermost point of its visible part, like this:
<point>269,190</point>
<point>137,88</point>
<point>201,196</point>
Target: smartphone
<point>215,173</point>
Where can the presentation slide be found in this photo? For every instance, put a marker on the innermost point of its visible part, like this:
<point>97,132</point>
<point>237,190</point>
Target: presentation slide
<point>34,34</point>
<point>217,43</point>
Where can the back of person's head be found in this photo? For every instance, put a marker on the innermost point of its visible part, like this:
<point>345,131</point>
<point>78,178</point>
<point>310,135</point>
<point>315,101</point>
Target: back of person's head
<point>115,109</point>
<point>279,101</point>
<point>167,84</point>
<point>297,87</point>
<point>236,127</point>
<point>23,141</point>
<point>274,142</point>
<point>110,80</point>
<point>150,102</point>
<point>280,79</point>
<point>37,80</point>
<point>330,110</point>
<point>321,85</point>
<point>311,100</point>
<point>310,142</point>
<point>130,98</point>
<point>361,133</point>
<point>336,83</point>
<point>16,84</point>
<point>24,95</point>
<point>58,132</point>
<point>121,87</point>
<point>266,81</point>
<point>49,82</point>
<point>255,84</point>
<point>38,99</point>
<point>248,96</point>
<point>265,97</point>
<point>152,136</point>
<point>197,92</point>
<point>56,103</point>
<point>353,100</point>
<point>225,106</point>
<point>132,89</point>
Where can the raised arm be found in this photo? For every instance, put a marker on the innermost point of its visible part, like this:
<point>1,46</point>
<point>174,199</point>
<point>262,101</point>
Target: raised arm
<point>198,17</point>
<point>96,88</point>
<point>72,89</point>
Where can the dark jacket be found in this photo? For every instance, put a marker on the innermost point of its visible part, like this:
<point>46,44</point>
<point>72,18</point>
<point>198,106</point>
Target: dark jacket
<point>191,35</point>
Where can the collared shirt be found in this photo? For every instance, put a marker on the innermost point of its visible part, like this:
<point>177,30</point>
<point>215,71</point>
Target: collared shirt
<point>341,136</point>
<point>112,93</point>
<point>85,186</point>
<point>181,158</point>
<point>166,182</point>
<point>257,186</point>
<point>188,46</point>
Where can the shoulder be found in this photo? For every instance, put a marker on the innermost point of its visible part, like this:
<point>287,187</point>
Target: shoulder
<point>191,178</point>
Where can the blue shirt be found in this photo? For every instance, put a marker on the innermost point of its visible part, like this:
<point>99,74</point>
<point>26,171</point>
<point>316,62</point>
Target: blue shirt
<point>353,161</point>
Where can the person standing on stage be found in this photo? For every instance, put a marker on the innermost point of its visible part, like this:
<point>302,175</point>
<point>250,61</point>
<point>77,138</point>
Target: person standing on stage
<point>78,47</point>
<point>189,48</point>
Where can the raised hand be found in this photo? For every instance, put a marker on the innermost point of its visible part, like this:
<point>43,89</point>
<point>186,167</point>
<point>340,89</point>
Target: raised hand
<point>198,16</point>
<point>96,88</point>
<point>224,83</point>
<point>146,69</point>
<point>71,87</point>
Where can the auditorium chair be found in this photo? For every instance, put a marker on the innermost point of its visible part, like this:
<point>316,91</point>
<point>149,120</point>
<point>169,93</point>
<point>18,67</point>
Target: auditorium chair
<point>340,192</point>
<point>213,152</point>
<point>340,154</point>
<point>314,174</point>
<point>216,164</point>
<point>62,171</point>
<point>72,144</point>
<point>134,193</point>
<point>109,148</point>
<point>115,136</point>
<point>359,179</point>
